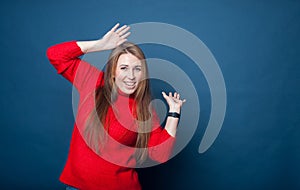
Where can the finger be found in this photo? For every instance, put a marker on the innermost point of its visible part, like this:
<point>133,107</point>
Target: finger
<point>121,42</point>
<point>165,95</point>
<point>115,27</point>
<point>120,29</point>
<point>123,31</point>
<point>178,96</point>
<point>183,100</point>
<point>125,35</point>
<point>170,94</point>
<point>175,94</point>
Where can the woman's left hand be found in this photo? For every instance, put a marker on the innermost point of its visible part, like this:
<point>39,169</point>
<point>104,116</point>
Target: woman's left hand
<point>174,101</point>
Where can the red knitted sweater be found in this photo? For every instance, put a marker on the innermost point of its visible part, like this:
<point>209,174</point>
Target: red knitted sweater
<point>114,168</point>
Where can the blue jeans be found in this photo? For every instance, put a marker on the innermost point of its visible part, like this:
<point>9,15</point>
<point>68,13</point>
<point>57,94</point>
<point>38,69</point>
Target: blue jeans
<point>70,188</point>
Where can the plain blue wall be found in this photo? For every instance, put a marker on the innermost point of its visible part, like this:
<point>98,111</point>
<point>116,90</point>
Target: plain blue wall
<point>255,42</point>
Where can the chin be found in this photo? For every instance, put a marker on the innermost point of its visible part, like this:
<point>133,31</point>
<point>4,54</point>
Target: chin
<point>128,92</point>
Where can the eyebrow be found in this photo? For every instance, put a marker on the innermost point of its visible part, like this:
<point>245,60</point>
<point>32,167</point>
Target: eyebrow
<point>122,65</point>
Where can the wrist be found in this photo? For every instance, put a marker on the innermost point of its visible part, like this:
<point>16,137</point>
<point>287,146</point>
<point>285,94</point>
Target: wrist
<point>176,110</point>
<point>91,46</point>
<point>174,115</point>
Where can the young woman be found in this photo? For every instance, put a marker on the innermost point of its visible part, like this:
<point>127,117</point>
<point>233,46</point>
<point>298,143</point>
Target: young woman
<point>115,126</point>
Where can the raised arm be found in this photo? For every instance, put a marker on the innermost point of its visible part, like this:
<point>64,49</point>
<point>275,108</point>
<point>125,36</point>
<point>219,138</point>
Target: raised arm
<point>113,38</point>
<point>175,104</point>
<point>65,56</point>
<point>162,140</point>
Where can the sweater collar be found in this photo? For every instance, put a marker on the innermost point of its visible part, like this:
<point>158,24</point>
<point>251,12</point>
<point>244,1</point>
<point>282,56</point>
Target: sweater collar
<point>121,93</point>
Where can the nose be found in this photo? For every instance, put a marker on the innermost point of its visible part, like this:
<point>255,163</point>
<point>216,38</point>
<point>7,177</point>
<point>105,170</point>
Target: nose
<point>131,74</point>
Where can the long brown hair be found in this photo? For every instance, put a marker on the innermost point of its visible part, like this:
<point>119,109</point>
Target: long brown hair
<point>105,97</point>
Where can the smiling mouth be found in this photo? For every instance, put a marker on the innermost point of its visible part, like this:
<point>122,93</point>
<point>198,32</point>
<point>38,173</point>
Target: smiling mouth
<point>130,84</point>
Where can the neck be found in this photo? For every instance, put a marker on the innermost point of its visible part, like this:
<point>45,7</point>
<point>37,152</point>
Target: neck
<point>121,93</point>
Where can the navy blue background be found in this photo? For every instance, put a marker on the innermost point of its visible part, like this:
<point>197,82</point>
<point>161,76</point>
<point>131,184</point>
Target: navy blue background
<point>255,42</point>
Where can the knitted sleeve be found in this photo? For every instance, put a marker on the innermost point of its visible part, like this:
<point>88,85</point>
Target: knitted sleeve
<point>65,59</point>
<point>161,143</point>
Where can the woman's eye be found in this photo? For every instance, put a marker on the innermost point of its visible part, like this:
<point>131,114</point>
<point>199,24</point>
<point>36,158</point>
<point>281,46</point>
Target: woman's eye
<point>123,68</point>
<point>138,69</point>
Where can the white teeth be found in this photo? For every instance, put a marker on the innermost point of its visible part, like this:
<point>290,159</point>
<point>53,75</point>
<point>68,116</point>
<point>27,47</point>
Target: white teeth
<point>130,83</point>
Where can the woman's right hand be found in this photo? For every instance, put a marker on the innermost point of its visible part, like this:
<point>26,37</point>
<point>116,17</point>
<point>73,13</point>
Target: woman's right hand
<point>113,38</point>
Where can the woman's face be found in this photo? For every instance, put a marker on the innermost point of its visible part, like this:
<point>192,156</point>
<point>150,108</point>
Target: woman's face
<point>128,73</point>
